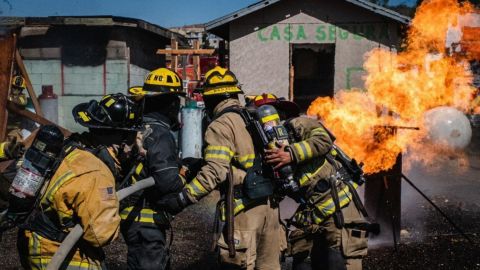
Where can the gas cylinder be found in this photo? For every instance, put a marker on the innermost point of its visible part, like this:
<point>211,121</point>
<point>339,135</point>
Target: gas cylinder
<point>38,164</point>
<point>49,103</point>
<point>191,138</point>
<point>277,134</point>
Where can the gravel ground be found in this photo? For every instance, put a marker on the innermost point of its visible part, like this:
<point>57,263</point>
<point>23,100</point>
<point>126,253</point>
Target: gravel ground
<point>427,240</point>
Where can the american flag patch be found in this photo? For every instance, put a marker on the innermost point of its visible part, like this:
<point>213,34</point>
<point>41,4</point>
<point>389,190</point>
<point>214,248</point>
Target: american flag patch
<point>107,193</point>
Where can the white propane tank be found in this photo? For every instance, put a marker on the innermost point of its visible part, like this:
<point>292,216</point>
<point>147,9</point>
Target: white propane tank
<point>448,127</point>
<point>191,138</point>
<point>49,103</point>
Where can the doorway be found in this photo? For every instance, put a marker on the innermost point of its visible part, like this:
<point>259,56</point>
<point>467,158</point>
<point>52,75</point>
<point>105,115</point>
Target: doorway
<point>313,72</point>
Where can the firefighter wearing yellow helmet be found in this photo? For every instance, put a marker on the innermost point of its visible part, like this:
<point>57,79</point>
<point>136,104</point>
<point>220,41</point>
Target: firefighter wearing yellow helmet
<point>144,224</point>
<point>229,149</point>
<point>10,149</point>
<point>18,129</point>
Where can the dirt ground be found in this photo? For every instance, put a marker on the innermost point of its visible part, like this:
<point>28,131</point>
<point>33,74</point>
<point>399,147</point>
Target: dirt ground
<point>427,240</point>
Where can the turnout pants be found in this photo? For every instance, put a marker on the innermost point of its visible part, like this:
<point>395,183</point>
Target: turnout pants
<point>257,240</point>
<point>330,248</point>
<point>147,247</point>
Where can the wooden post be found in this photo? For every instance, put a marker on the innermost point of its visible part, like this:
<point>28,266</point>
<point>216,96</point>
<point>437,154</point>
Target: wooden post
<point>7,51</point>
<point>222,54</point>
<point>196,60</point>
<point>291,81</point>
<point>383,192</point>
<point>30,90</point>
<point>174,62</point>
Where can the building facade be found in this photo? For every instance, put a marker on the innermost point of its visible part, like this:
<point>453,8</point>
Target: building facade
<point>305,49</point>
<point>87,57</point>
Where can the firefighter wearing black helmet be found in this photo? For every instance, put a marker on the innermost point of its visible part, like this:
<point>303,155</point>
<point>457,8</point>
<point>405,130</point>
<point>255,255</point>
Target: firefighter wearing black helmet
<point>82,187</point>
<point>144,223</point>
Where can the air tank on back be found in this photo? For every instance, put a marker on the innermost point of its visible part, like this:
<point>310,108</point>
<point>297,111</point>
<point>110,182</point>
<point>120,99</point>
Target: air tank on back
<point>191,138</point>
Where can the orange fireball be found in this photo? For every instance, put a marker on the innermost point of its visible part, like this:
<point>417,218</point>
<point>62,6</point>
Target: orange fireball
<point>401,87</point>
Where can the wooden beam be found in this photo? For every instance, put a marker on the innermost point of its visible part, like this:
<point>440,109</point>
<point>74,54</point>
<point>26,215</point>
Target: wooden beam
<point>174,62</point>
<point>30,90</point>
<point>7,51</point>
<point>35,117</point>
<point>291,81</point>
<point>186,51</point>
<point>196,60</point>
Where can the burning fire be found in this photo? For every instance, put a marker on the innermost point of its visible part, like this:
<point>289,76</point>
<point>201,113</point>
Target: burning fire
<point>401,87</point>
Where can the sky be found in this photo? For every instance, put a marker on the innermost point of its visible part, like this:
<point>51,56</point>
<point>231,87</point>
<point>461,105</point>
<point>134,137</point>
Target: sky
<point>165,13</point>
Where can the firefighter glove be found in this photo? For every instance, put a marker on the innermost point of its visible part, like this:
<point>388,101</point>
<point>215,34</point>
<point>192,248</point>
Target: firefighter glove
<point>174,203</point>
<point>190,167</point>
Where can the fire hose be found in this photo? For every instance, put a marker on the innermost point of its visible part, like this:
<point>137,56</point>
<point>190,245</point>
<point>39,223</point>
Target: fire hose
<point>77,231</point>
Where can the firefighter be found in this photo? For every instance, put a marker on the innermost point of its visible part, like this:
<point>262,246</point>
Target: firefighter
<point>18,129</point>
<point>144,223</point>
<point>82,189</point>
<point>329,243</point>
<point>229,148</point>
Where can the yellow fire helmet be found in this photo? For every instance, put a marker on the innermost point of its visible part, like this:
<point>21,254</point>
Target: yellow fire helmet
<point>220,81</point>
<point>161,81</point>
<point>19,82</point>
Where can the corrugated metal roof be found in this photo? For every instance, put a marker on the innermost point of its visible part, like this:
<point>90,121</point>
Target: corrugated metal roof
<point>91,21</point>
<point>265,3</point>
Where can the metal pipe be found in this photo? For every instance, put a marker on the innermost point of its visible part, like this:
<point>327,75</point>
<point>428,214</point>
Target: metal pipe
<point>77,231</point>
<point>440,211</point>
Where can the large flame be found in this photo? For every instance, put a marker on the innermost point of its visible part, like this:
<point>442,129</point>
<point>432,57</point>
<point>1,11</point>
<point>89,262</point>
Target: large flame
<point>401,87</point>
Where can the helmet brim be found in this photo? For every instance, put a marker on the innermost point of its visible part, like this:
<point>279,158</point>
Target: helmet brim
<point>290,109</point>
<point>221,90</point>
<point>86,119</point>
<point>139,91</point>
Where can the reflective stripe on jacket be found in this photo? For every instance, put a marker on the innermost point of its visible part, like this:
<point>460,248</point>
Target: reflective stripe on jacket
<point>309,152</point>
<point>312,166</point>
<point>81,190</point>
<point>325,207</point>
<point>226,140</point>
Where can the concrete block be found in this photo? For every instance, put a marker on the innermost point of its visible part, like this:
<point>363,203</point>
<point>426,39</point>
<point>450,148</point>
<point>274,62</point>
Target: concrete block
<point>113,77</point>
<point>84,79</point>
<point>117,66</point>
<point>50,79</point>
<point>116,53</point>
<point>37,88</point>
<point>35,78</point>
<point>117,88</point>
<point>83,89</point>
<point>45,66</point>
<point>136,70</point>
<point>28,65</point>
<point>41,53</point>
<point>83,70</point>
<point>136,80</point>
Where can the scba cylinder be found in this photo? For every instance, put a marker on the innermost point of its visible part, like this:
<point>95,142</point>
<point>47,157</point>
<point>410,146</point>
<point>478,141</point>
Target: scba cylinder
<point>277,135</point>
<point>38,164</point>
<point>191,138</point>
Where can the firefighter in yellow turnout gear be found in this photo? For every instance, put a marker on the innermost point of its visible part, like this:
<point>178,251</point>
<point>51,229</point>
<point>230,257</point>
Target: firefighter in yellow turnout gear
<point>82,189</point>
<point>229,144</point>
<point>18,129</point>
<point>333,239</point>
